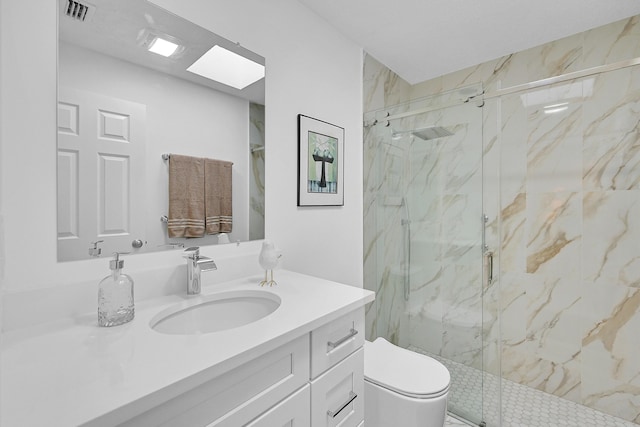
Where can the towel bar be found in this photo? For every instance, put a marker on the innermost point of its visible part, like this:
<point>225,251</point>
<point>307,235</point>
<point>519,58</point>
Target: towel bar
<point>166,156</point>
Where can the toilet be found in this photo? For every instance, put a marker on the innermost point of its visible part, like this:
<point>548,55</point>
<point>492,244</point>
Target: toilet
<point>403,388</point>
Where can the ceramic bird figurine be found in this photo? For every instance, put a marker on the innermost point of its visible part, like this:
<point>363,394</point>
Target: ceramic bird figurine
<point>268,259</point>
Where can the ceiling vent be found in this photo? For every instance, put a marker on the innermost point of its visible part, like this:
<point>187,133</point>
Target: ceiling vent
<point>78,11</point>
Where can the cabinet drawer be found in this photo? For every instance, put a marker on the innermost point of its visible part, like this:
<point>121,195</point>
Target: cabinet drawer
<point>293,411</point>
<point>336,340</point>
<point>238,396</point>
<point>337,396</point>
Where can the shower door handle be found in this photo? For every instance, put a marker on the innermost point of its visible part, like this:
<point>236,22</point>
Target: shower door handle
<point>489,266</point>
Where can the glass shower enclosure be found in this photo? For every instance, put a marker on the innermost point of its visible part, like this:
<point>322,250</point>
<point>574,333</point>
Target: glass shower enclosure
<point>425,251</point>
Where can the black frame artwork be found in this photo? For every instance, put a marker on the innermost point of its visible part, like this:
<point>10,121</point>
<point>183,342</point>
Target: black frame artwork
<point>320,163</point>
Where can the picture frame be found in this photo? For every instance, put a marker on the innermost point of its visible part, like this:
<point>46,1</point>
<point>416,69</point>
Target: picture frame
<point>320,163</point>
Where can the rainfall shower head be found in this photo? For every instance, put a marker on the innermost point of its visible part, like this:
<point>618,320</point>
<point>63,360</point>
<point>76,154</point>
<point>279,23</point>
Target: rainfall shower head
<point>431,132</point>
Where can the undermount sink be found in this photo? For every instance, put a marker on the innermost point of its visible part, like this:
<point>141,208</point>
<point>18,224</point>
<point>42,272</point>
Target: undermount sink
<point>214,313</point>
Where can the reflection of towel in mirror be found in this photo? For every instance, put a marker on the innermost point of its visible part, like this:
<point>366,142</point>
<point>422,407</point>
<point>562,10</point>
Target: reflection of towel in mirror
<point>217,196</point>
<point>186,196</point>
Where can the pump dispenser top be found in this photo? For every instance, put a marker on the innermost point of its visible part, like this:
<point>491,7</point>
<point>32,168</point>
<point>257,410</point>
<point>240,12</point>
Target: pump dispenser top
<point>115,295</point>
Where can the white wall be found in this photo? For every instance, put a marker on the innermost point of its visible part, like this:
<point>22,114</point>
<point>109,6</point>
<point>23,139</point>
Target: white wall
<point>3,37</point>
<point>311,69</point>
<point>28,89</point>
<point>182,118</point>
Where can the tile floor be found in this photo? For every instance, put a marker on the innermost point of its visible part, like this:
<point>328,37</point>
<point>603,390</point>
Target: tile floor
<point>453,422</point>
<point>523,406</point>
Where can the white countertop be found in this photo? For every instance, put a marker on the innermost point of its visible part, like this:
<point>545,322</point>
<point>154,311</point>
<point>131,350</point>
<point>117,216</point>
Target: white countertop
<point>72,372</point>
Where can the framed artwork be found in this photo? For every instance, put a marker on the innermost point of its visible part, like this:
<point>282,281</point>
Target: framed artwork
<point>320,163</point>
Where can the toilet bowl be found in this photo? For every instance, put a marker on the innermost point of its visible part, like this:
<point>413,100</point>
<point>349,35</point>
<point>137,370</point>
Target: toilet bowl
<point>403,388</point>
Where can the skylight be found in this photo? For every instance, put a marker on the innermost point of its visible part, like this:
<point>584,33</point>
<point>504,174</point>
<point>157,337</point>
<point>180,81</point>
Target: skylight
<point>228,68</point>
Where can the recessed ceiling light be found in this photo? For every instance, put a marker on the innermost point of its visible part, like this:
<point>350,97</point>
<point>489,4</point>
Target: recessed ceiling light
<point>162,47</point>
<point>227,67</point>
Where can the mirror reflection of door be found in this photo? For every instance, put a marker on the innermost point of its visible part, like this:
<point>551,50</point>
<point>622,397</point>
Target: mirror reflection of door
<point>102,139</point>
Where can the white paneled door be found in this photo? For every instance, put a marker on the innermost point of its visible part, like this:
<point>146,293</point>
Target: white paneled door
<point>101,173</point>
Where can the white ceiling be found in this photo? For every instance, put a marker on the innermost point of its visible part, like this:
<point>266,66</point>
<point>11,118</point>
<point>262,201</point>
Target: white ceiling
<point>422,39</point>
<point>124,28</point>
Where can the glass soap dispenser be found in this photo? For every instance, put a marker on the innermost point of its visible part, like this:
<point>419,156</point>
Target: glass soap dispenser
<point>115,296</point>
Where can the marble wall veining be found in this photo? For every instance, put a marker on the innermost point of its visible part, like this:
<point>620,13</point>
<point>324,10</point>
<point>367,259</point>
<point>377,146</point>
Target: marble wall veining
<point>256,164</point>
<point>382,88</point>
<point>571,222</point>
<point>561,188</point>
<point>424,211</point>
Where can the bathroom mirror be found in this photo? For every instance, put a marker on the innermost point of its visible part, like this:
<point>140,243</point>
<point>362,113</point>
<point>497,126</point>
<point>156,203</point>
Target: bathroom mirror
<point>123,109</point>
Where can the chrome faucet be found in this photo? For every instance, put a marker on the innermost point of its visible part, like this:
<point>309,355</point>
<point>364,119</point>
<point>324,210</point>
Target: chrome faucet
<point>95,250</point>
<point>195,265</point>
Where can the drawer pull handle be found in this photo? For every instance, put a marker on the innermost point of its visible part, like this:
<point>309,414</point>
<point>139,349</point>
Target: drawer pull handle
<point>351,398</point>
<point>334,344</point>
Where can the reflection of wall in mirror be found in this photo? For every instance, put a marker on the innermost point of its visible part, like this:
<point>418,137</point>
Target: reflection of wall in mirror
<point>182,118</point>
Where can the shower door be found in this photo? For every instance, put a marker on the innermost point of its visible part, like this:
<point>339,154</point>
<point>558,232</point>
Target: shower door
<point>569,212</point>
<point>424,245</point>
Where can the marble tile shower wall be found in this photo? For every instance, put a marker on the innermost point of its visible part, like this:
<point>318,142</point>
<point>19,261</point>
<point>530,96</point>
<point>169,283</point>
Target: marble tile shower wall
<point>382,246</point>
<point>565,207</point>
<point>256,183</point>
<point>571,222</point>
<point>445,195</point>
<point>430,188</point>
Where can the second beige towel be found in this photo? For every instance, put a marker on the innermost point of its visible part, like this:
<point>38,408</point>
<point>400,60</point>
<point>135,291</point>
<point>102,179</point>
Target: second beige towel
<point>186,196</point>
<point>217,197</point>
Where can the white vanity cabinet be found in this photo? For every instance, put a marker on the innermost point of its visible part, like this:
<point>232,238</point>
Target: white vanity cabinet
<point>239,395</point>
<point>337,372</point>
<point>315,380</point>
<point>293,411</point>
<point>302,365</point>
<point>337,395</point>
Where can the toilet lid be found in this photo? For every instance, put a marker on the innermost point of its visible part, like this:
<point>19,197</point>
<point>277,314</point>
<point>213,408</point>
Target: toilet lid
<point>404,371</point>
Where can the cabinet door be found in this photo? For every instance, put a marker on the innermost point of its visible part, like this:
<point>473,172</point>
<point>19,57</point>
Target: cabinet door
<point>293,411</point>
<point>238,396</point>
<point>337,396</point>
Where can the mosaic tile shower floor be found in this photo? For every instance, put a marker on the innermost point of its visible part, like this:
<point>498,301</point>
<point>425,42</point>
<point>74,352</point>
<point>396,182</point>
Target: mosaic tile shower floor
<point>523,406</point>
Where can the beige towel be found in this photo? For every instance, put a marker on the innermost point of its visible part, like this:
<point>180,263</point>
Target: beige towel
<point>186,196</point>
<point>217,196</point>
